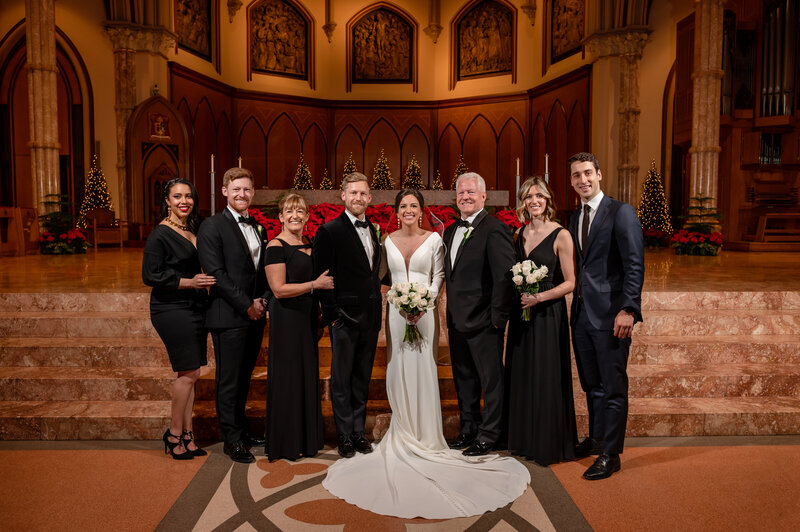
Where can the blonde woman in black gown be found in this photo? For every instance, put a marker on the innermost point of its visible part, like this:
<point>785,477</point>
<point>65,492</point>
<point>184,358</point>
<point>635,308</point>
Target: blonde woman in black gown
<point>170,265</point>
<point>539,403</point>
<point>294,411</point>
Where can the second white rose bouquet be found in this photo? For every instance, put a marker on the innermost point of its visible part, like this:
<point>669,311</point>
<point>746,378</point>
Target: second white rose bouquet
<point>526,278</point>
<point>412,299</point>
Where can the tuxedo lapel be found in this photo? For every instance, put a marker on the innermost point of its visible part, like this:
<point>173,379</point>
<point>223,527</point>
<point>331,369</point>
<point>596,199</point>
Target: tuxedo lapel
<point>350,229</point>
<point>376,245</point>
<point>597,223</point>
<point>234,226</point>
<point>465,240</point>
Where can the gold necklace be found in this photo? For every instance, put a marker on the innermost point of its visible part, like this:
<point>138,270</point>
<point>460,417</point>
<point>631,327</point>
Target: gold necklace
<point>179,226</point>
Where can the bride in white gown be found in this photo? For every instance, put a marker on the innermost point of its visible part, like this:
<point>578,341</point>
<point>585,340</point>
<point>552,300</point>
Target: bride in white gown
<point>412,472</point>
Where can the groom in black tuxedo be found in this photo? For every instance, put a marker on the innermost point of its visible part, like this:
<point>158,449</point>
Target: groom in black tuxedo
<point>348,247</point>
<point>605,306</point>
<point>477,263</point>
<point>230,245</point>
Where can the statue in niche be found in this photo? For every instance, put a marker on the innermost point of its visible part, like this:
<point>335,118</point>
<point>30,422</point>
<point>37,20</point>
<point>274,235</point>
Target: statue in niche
<point>278,39</point>
<point>193,26</point>
<point>566,28</point>
<point>382,47</point>
<point>485,40</point>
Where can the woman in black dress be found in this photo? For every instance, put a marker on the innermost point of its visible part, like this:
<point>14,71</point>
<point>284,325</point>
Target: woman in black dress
<point>294,411</point>
<point>540,406</point>
<point>170,265</point>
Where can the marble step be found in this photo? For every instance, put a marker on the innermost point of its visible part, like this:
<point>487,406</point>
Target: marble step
<point>727,322</point>
<point>147,420</point>
<point>709,349</point>
<point>68,324</point>
<point>76,302</point>
<point>773,300</point>
<point>154,383</point>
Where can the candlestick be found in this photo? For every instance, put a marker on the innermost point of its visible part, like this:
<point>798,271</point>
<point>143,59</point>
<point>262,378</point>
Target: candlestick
<point>517,192</point>
<point>517,165</point>
<point>546,157</point>
<point>212,163</point>
<point>213,195</point>
<point>240,161</point>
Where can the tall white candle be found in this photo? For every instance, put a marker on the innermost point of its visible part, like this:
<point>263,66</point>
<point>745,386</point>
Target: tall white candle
<point>240,161</point>
<point>212,162</point>
<point>517,167</point>
<point>546,157</point>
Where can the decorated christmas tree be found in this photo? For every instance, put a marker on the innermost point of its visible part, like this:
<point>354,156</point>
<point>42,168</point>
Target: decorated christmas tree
<point>302,178</point>
<point>461,168</point>
<point>326,183</point>
<point>96,195</point>
<point>437,182</point>
<point>349,166</point>
<point>381,175</point>
<point>653,211</point>
<point>413,175</point>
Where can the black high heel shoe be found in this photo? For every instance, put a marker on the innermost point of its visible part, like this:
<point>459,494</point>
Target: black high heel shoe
<point>169,447</point>
<point>188,436</point>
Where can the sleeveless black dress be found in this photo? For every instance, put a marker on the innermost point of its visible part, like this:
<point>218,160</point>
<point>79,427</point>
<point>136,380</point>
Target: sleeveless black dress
<point>539,404</point>
<point>294,411</point>
<point>177,314</point>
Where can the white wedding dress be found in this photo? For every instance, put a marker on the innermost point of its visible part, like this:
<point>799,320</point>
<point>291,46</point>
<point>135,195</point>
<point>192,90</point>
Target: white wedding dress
<point>412,472</point>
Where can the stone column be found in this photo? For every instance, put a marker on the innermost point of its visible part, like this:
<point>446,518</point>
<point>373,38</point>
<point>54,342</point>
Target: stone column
<point>627,45</point>
<point>126,40</point>
<point>40,34</point>
<point>707,79</point>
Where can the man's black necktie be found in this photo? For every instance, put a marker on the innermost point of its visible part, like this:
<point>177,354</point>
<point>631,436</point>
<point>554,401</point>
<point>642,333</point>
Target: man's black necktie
<point>462,223</point>
<point>249,221</point>
<point>585,228</point>
<point>362,223</point>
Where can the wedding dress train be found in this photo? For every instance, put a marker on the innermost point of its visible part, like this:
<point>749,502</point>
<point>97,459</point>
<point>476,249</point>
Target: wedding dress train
<point>412,472</point>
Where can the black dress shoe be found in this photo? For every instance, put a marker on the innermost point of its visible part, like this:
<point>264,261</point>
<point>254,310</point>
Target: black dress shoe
<point>605,466</point>
<point>462,442</point>
<point>346,449</point>
<point>252,441</point>
<point>238,452</point>
<point>361,443</point>
<point>587,447</point>
<point>479,448</point>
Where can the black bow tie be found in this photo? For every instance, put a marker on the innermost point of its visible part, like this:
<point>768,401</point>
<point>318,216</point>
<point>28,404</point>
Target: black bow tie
<point>362,223</point>
<point>463,223</point>
<point>249,221</point>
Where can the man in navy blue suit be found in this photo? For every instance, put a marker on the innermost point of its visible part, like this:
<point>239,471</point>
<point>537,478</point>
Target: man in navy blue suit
<point>605,306</point>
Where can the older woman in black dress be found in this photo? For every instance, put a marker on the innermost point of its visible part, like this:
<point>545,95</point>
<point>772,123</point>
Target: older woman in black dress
<point>294,411</point>
<point>170,265</point>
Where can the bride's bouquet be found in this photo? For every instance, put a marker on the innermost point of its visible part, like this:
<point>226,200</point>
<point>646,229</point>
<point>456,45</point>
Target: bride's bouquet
<point>526,278</point>
<point>411,299</point>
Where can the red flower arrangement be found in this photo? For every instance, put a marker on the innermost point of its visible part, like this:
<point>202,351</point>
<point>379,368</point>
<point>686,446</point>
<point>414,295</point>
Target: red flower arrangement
<point>696,243</point>
<point>70,243</point>
<point>655,238</point>
<point>510,218</point>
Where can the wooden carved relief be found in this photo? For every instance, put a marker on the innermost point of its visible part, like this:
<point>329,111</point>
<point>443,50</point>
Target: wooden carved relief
<point>566,28</point>
<point>193,26</point>
<point>485,41</point>
<point>382,48</point>
<point>278,39</point>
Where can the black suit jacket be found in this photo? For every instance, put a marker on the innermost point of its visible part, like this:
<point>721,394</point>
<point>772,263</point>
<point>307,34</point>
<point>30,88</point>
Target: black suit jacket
<point>224,253</point>
<point>479,287</point>
<point>610,272</point>
<point>357,289</point>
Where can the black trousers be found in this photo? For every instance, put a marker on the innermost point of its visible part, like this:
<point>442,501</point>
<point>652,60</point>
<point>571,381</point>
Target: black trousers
<point>477,360</point>
<point>236,351</point>
<point>602,361</point>
<point>351,369</point>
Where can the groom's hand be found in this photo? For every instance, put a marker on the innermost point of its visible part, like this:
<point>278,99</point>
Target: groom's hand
<point>256,310</point>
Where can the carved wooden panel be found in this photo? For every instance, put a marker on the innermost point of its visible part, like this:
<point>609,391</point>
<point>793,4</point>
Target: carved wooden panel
<point>684,65</point>
<point>566,23</point>
<point>278,39</point>
<point>485,40</point>
<point>193,26</point>
<point>382,47</point>
<point>283,153</point>
<point>253,151</point>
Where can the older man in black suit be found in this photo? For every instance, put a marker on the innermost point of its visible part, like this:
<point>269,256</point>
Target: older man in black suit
<point>231,246</point>
<point>605,306</point>
<point>348,247</point>
<point>478,258</point>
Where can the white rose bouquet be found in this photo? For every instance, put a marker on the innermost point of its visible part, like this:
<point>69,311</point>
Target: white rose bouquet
<point>411,299</point>
<point>526,278</point>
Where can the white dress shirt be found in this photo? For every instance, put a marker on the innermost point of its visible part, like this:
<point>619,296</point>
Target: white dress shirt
<point>593,204</point>
<point>250,236</point>
<point>458,237</point>
<point>364,234</point>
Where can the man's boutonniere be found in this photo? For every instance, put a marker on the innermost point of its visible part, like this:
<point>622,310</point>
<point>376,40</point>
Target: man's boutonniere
<point>377,229</point>
<point>468,234</point>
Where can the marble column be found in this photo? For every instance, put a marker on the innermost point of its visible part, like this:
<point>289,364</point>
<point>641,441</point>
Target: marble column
<point>627,45</point>
<point>40,34</point>
<point>707,79</point>
<point>127,40</point>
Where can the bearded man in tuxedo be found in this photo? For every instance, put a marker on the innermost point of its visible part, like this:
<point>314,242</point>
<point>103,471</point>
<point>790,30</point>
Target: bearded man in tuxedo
<point>348,247</point>
<point>605,306</point>
<point>230,245</point>
<point>477,264</point>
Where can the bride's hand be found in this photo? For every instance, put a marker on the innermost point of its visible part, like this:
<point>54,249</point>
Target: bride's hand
<point>414,318</point>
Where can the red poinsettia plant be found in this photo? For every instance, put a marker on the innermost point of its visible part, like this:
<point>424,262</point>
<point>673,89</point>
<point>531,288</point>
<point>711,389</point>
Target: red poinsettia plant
<point>697,243</point>
<point>68,243</point>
